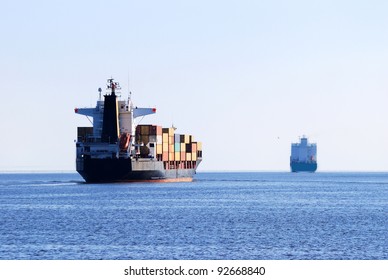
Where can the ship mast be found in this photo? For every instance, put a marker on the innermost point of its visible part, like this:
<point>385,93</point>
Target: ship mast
<point>110,124</point>
<point>113,86</point>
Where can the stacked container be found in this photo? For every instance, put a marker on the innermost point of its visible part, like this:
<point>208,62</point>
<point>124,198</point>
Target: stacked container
<point>168,144</point>
<point>149,139</point>
<point>174,149</point>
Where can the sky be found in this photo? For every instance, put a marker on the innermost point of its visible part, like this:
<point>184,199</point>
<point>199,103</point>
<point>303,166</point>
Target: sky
<point>246,78</point>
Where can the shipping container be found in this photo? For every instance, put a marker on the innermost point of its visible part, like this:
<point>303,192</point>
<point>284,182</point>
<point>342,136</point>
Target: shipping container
<point>152,130</point>
<point>169,130</point>
<point>177,138</point>
<point>177,156</point>
<point>144,139</point>
<point>165,138</point>
<point>145,129</point>
<point>165,147</point>
<point>177,147</point>
<point>171,148</point>
<point>183,147</point>
<point>159,149</point>
<point>194,156</point>
<point>183,155</point>
<point>188,156</point>
<point>165,156</point>
<point>194,147</point>
<point>159,139</point>
<point>171,139</point>
<point>199,146</point>
<point>171,156</point>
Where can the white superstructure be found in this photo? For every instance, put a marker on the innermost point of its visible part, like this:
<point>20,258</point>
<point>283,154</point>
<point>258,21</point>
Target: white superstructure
<point>126,113</point>
<point>304,151</point>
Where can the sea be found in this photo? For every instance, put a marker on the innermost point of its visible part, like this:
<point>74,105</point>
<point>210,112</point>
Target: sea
<point>218,216</point>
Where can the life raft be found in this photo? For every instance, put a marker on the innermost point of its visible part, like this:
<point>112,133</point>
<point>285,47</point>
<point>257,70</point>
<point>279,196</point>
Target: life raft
<point>124,141</point>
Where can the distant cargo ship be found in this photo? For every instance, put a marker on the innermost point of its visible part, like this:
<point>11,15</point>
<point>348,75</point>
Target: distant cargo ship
<point>114,149</point>
<point>303,156</point>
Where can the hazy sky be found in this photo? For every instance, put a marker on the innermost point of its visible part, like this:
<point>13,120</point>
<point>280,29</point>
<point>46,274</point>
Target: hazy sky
<point>246,78</point>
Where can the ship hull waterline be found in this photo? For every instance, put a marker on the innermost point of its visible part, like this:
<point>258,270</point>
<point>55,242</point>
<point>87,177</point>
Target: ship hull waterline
<point>121,170</point>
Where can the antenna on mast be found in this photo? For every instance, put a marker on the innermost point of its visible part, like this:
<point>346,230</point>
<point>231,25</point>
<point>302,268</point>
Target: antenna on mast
<point>129,90</point>
<point>99,93</point>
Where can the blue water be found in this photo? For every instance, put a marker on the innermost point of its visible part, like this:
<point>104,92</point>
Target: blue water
<point>218,216</point>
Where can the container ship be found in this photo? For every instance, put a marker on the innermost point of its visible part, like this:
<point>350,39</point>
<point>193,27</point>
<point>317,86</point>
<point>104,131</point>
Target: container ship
<point>303,156</point>
<point>115,149</point>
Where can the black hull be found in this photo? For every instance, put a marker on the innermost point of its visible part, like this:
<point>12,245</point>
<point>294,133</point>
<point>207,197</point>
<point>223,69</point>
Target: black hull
<point>120,170</point>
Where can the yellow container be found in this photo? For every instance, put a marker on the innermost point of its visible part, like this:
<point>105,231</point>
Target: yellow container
<point>171,131</point>
<point>165,147</point>
<point>194,156</point>
<point>199,146</point>
<point>183,147</point>
<point>188,156</point>
<point>165,138</point>
<point>177,156</point>
<point>171,156</point>
<point>159,149</point>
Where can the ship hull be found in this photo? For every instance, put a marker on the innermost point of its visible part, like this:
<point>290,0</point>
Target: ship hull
<point>303,167</point>
<point>128,170</point>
